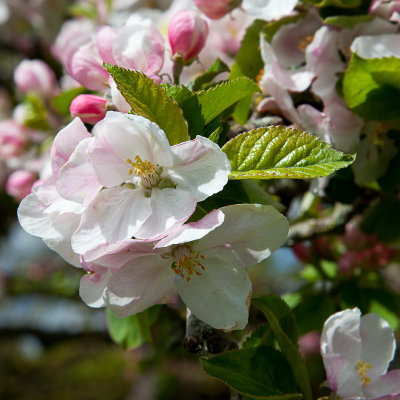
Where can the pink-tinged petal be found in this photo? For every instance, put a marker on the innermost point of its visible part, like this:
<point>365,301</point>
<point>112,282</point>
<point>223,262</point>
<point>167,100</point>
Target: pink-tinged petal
<point>140,284</point>
<point>169,207</point>
<point>249,234</point>
<point>341,335</point>
<point>62,245</point>
<point>113,215</point>
<point>377,344</point>
<point>388,384</point>
<point>119,137</point>
<point>105,37</point>
<point>342,376</point>
<point>194,230</point>
<point>200,167</point>
<point>65,143</point>
<point>93,285</point>
<point>117,99</point>
<point>220,296</point>
<point>115,255</point>
<point>80,190</point>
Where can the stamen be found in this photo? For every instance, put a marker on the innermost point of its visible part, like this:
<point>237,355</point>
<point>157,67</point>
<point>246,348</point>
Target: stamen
<point>362,369</point>
<point>146,170</point>
<point>304,42</point>
<point>187,263</point>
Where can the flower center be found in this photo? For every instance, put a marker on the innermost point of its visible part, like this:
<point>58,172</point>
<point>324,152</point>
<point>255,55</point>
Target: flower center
<point>362,369</point>
<point>187,263</point>
<point>149,172</point>
<point>304,42</point>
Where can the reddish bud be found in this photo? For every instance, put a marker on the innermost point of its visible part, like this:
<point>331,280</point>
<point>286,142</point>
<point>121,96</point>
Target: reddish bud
<point>89,108</point>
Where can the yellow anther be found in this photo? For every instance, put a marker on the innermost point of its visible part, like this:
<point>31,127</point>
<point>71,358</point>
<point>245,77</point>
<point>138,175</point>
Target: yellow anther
<point>304,42</point>
<point>187,263</point>
<point>145,170</point>
<point>362,369</point>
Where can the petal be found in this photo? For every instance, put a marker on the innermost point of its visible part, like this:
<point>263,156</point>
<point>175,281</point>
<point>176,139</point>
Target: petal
<point>384,385</point>
<point>139,284</point>
<point>168,207</point>
<point>377,46</point>
<point>200,167</point>
<point>121,136</point>
<point>268,9</point>
<point>341,335</point>
<point>93,285</point>
<point>80,190</point>
<point>220,296</point>
<point>65,143</point>
<point>194,230</point>
<point>249,234</point>
<point>113,215</point>
<point>378,343</point>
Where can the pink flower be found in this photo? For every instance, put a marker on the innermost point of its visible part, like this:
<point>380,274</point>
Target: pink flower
<point>19,184</point>
<point>215,9</point>
<point>187,34</point>
<point>386,9</point>
<point>204,262</point>
<point>356,353</point>
<point>89,108</point>
<point>35,76</point>
<point>13,139</point>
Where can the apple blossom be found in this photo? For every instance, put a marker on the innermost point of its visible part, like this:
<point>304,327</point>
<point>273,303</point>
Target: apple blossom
<point>204,262</point>
<point>35,76</point>
<point>215,9</point>
<point>13,139</point>
<point>89,108</point>
<point>356,353</point>
<point>187,34</point>
<point>154,185</point>
<point>389,9</point>
<point>19,184</point>
<point>268,9</point>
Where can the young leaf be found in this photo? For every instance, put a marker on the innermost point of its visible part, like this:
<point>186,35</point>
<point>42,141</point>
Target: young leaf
<point>220,97</point>
<point>62,102</point>
<point>151,101</point>
<point>337,3</point>
<point>262,336</point>
<point>259,372</point>
<point>281,152</point>
<point>133,331</point>
<point>217,68</point>
<point>371,87</point>
<point>287,346</point>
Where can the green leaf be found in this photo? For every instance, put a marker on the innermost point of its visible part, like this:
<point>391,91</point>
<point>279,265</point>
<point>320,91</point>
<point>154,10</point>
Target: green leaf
<point>347,21</point>
<point>262,336</point>
<point>259,195</point>
<point>336,3</point>
<point>259,372</point>
<point>133,331</point>
<point>281,152</point>
<point>371,87</point>
<point>217,68</point>
<point>285,341</point>
<point>220,97</point>
<point>62,102</point>
<point>35,112</point>
<point>151,101</point>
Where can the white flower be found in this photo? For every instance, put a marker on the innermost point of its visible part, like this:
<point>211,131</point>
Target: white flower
<point>356,353</point>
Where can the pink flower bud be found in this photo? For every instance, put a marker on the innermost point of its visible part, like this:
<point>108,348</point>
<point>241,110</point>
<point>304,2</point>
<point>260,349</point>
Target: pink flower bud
<point>19,184</point>
<point>215,9</point>
<point>89,108</point>
<point>187,34</point>
<point>12,139</point>
<point>35,76</point>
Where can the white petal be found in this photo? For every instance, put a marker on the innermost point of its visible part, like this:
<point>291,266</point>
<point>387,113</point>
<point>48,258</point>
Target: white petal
<point>139,284</point>
<point>93,285</point>
<point>384,385</point>
<point>200,167</point>
<point>377,46</point>
<point>121,136</point>
<point>249,234</point>
<point>168,207</point>
<point>268,9</point>
<point>378,343</point>
<point>220,296</point>
<point>194,230</point>
<point>114,214</point>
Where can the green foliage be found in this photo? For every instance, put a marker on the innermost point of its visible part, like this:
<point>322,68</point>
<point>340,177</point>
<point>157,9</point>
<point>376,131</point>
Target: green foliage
<point>281,152</point>
<point>151,101</point>
<point>62,102</point>
<point>347,21</point>
<point>260,372</point>
<point>218,98</point>
<point>262,336</point>
<point>133,331</point>
<point>35,112</point>
<point>336,3</point>
<point>371,87</point>
<point>206,77</point>
<point>258,195</point>
<point>283,325</point>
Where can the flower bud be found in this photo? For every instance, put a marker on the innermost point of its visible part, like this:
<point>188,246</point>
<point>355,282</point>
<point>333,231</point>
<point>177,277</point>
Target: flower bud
<point>215,9</point>
<point>187,34</point>
<point>89,108</point>
<point>12,139</point>
<point>35,76</point>
<point>19,184</point>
